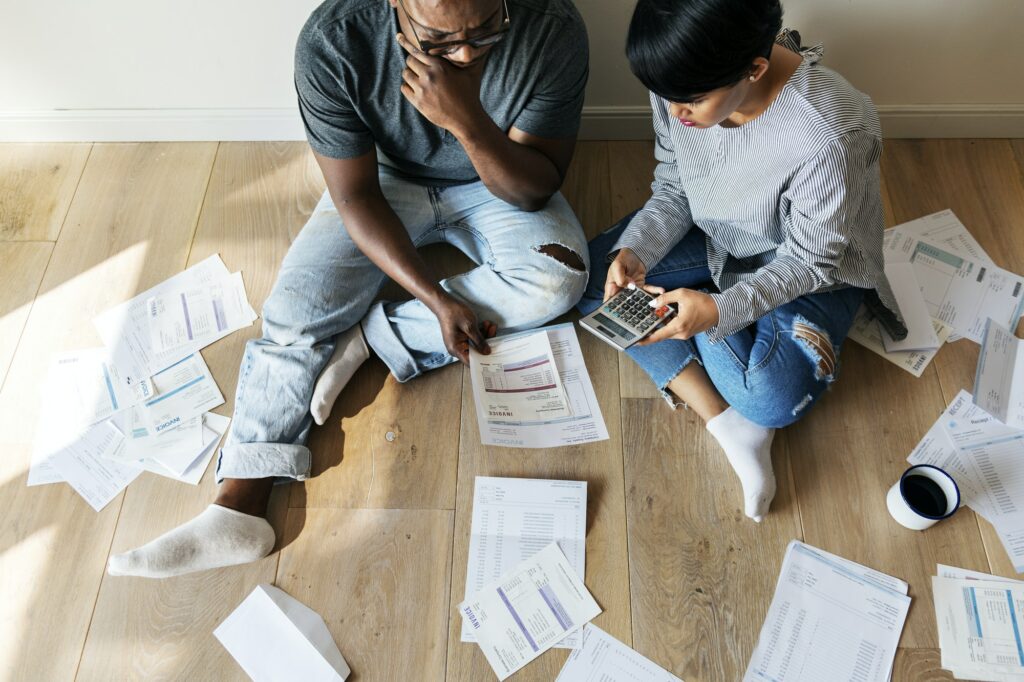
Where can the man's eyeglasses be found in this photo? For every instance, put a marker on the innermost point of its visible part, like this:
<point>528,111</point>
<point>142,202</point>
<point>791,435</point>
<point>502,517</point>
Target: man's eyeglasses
<point>445,48</point>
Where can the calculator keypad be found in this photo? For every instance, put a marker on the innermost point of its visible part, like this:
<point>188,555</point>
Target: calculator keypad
<point>631,307</point>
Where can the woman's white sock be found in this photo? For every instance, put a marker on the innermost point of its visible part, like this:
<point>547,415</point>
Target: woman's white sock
<point>217,537</point>
<point>349,353</point>
<point>748,446</point>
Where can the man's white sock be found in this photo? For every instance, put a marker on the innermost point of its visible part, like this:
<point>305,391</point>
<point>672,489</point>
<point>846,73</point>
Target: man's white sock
<point>217,537</point>
<point>350,352</point>
<point>748,446</point>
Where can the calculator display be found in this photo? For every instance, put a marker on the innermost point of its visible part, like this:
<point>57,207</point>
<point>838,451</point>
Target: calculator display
<point>624,333</point>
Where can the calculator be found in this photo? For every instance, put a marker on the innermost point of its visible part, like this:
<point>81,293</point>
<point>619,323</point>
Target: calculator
<point>626,317</point>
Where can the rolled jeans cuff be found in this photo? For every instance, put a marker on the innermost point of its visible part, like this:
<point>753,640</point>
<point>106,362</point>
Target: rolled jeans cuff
<point>284,461</point>
<point>381,339</point>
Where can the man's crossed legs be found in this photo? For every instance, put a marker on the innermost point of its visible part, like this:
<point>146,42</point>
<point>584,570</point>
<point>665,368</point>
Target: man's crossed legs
<point>320,320</point>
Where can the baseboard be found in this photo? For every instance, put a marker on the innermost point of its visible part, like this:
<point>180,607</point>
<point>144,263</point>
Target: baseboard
<point>898,121</point>
<point>951,120</point>
<point>599,123</point>
<point>616,123</point>
<point>151,125</point>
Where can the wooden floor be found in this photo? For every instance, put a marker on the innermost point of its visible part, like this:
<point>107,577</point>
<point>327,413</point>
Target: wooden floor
<point>377,541</point>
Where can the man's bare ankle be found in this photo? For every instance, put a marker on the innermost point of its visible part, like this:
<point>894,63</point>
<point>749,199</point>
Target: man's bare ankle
<point>246,495</point>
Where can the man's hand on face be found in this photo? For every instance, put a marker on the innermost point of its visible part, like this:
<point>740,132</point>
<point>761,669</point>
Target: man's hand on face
<point>447,95</point>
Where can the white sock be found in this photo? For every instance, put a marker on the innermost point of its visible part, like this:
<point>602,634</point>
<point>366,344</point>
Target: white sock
<point>749,449</point>
<point>350,352</point>
<point>217,537</point>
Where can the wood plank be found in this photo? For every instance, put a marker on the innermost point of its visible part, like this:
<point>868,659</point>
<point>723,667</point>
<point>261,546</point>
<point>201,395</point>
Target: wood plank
<point>919,665</point>
<point>21,270</point>
<point>382,446</point>
<point>600,464</point>
<point>848,451</point>
<point>586,187</point>
<point>259,196</point>
<point>631,166</point>
<point>631,170</point>
<point>128,228</point>
<point>1018,152</point>
<point>380,579</point>
<point>701,574</point>
<point>37,183</point>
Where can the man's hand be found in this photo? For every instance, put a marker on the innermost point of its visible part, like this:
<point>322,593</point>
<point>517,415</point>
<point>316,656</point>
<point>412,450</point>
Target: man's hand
<point>459,328</point>
<point>447,95</point>
<point>625,269</point>
<point>696,312</point>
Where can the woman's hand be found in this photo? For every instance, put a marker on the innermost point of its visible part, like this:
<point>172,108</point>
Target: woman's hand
<point>695,312</point>
<point>624,270</point>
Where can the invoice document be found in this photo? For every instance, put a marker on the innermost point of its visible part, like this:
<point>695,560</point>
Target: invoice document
<point>582,423</point>
<point>528,610</point>
<point>829,620</point>
<point>128,329</point>
<point>945,229</point>
<point>513,519</point>
<point>140,443</point>
<point>961,292</point>
<point>81,388</point>
<point>980,622</point>
<point>602,658</point>
<point>87,467</point>
<point>518,382</point>
<point>867,332</point>
<point>184,390</point>
<point>199,313</point>
<point>214,428</point>
<point>994,455</point>
<point>999,380</point>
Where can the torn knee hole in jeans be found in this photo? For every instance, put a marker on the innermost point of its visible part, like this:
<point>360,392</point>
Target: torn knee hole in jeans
<point>818,346</point>
<point>563,255</point>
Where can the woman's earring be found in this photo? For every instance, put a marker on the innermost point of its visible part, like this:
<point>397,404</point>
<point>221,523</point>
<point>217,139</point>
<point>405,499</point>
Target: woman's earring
<point>753,78</point>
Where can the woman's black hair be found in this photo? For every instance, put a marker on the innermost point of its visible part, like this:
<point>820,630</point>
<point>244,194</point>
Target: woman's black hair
<point>680,49</point>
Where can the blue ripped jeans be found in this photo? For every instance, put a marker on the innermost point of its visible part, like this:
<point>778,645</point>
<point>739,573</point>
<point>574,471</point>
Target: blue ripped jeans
<point>326,285</point>
<point>773,370</point>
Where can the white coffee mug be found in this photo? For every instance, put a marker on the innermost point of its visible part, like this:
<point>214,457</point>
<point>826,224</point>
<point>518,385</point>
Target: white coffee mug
<point>914,519</point>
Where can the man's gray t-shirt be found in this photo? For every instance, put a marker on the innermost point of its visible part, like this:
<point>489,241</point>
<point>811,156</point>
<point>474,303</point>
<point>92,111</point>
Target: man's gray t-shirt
<point>348,75</point>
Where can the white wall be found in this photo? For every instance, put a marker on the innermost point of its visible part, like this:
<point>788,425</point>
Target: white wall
<point>180,69</point>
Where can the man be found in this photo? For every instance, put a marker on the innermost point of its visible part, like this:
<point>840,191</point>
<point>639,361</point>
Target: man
<point>432,120</point>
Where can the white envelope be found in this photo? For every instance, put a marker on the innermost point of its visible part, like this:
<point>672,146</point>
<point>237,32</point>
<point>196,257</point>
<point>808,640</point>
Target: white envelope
<point>273,636</point>
<point>920,329</point>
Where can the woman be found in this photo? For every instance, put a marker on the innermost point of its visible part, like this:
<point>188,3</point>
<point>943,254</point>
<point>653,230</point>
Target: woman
<point>765,225</point>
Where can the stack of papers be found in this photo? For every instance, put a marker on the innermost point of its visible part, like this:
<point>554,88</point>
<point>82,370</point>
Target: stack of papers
<point>530,609</point>
<point>602,658</point>
<point>999,381</point>
<point>143,401</point>
<point>986,459</point>
<point>959,285</point>
<point>513,519</point>
<point>830,619</point>
<point>533,391</point>
<point>980,619</point>
<point>273,636</point>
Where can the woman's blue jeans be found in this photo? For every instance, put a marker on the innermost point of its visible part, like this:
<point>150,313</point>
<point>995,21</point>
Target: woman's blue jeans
<point>773,370</point>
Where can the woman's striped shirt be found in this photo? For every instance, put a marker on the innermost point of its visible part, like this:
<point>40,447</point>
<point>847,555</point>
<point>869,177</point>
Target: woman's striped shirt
<point>790,202</point>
